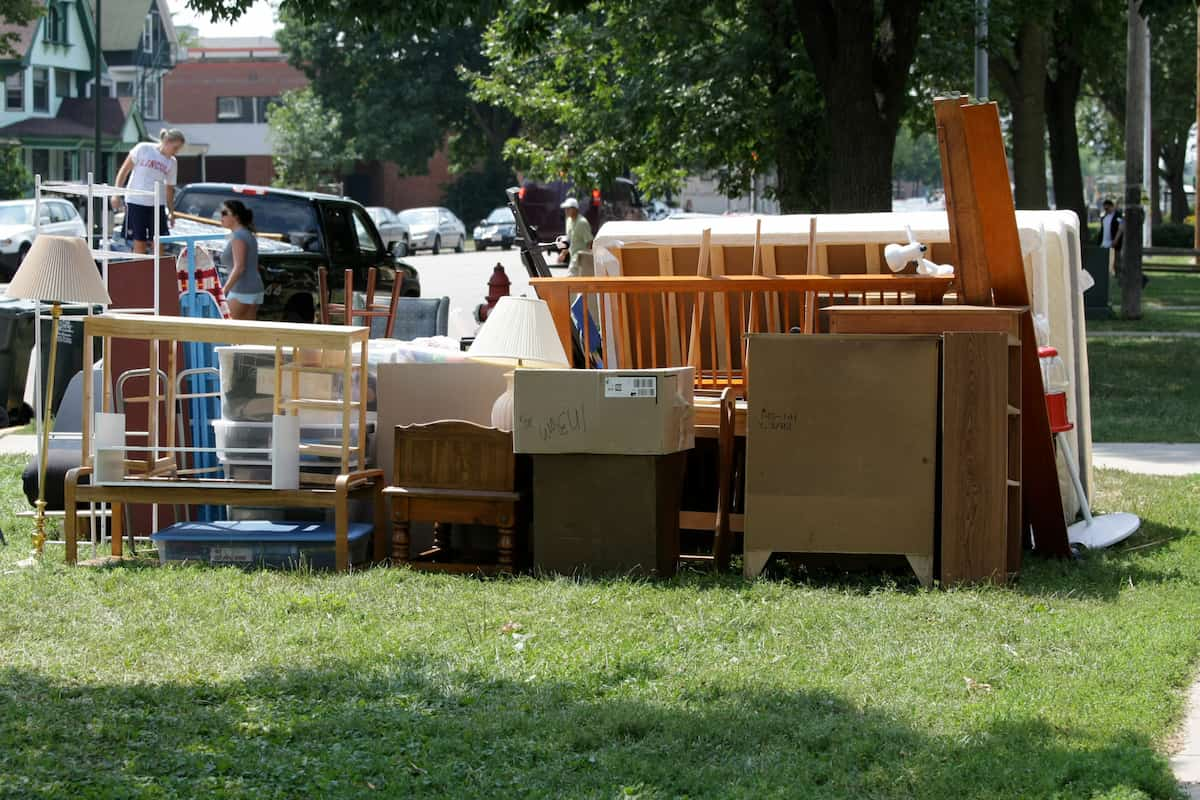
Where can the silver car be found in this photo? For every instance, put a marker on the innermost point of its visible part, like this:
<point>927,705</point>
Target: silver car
<point>393,230</point>
<point>17,229</point>
<point>433,228</point>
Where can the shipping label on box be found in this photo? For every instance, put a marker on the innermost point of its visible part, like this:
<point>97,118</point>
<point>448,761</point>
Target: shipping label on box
<point>618,412</point>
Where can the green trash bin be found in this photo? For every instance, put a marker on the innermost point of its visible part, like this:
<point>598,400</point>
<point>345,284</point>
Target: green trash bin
<point>1095,299</point>
<point>16,343</point>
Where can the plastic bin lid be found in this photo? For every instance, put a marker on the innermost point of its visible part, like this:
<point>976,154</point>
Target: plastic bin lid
<point>257,531</point>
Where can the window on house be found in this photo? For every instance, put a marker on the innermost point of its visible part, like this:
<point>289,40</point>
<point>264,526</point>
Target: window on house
<point>124,88</point>
<point>263,106</point>
<point>40,163</point>
<point>235,109</point>
<point>41,89</point>
<point>62,83</point>
<point>148,34</point>
<point>152,97</point>
<point>14,91</point>
<point>56,27</point>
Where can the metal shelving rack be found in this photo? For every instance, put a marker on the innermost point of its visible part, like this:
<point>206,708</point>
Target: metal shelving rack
<point>103,253</point>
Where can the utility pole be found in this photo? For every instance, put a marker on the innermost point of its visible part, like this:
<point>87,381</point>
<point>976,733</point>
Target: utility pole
<point>1196,180</point>
<point>98,166</point>
<point>1135,146</point>
<point>981,53</point>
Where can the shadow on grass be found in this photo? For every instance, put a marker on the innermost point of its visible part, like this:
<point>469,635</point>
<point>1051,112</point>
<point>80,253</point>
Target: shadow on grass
<point>420,729</point>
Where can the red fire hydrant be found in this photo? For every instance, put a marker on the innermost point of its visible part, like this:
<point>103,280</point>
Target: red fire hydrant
<point>498,286</point>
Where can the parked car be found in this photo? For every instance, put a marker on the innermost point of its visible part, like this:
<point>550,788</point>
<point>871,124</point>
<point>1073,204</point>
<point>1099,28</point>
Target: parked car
<point>541,205</point>
<point>498,228</point>
<point>17,228</point>
<point>329,231</point>
<point>392,229</point>
<point>433,228</point>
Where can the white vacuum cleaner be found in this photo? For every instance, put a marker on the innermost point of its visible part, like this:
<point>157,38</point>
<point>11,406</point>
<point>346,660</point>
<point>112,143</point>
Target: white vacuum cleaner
<point>1093,532</point>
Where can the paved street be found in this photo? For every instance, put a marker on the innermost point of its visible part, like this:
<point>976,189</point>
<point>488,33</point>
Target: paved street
<point>463,277</point>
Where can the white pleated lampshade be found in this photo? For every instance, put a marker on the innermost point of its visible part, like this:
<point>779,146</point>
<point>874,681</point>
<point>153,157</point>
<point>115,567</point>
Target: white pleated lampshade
<point>59,269</point>
<point>519,331</point>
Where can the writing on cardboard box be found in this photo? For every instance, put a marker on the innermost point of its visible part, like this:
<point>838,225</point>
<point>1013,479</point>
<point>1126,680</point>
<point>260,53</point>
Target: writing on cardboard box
<point>776,420</point>
<point>557,426</point>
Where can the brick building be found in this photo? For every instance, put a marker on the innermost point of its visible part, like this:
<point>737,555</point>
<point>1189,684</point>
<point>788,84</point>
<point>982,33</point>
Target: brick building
<point>218,95</point>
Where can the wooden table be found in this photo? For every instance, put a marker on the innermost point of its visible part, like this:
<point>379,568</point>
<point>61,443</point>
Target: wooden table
<point>167,492</point>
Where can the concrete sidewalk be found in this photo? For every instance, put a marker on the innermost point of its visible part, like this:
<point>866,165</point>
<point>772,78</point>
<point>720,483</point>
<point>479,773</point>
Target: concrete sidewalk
<point>18,444</point>
<point>1148,459</point>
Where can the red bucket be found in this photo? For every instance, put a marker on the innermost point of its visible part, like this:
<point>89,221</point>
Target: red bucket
<point>1056,408</point>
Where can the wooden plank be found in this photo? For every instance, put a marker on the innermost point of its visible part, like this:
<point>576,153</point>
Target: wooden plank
<point>873,265</point>
<point>974,462</point>
<point>719,329</point>
<point>771,299</point>
<point>225,331</point>
<point>966,224</point>
<point>674,348</point>
<point>984,224</point>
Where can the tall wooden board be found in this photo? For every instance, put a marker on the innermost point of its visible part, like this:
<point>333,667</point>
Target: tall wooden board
<point>983,225</point>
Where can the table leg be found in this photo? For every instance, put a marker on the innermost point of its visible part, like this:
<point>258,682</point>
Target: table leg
<point>380,528</point>
<point>69,517</point>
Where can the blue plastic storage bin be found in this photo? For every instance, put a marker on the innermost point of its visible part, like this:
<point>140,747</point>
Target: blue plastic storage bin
<point>280,545</point>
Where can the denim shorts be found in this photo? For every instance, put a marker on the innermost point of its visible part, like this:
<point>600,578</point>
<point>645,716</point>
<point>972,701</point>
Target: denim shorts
<point>246,298</point>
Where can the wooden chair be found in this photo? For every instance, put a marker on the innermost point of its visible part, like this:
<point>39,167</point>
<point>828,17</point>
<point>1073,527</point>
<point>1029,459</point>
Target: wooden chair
<point>722,522</point>
<point>458,473</point>
<point>371,310</point>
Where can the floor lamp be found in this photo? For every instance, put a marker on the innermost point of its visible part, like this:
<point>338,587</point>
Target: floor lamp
<point>57,270</point>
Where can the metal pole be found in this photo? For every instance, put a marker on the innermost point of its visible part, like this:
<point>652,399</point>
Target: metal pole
<point>981,52</point>
<point>1150,158</point>
<point>98,167</point>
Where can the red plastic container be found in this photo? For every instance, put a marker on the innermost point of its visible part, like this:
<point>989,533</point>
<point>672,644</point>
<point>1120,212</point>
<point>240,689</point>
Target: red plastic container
<point>1054,380</point>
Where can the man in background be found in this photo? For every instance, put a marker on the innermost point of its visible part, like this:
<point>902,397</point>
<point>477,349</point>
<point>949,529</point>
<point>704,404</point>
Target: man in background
<point>578,235</point>
<point>1112,234</point>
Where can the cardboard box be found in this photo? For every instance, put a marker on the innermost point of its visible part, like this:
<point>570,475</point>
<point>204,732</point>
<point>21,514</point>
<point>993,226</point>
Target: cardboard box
<point>606,514</point>
<point>615,412</point>
<point>841,445</point>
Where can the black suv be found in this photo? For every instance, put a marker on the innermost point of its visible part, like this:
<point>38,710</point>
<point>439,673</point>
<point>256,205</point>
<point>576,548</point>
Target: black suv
<point>332,232</point>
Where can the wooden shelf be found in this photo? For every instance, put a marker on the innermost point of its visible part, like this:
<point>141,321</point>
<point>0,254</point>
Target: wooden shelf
<point>314,369</point>
<point>322,405</point>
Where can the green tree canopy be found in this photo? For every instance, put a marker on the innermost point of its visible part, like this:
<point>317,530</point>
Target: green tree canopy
<point>310,153</point>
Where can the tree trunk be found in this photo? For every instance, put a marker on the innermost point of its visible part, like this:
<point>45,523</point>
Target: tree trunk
<point>1062,94</point>
<point>1173,157</point>
<point>1025,85</point>
<point>861,52</point>
<point>1135,104</point>
<point>860,174</point>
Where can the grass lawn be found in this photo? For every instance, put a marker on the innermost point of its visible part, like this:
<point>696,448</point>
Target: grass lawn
<point>1162,295</point>
<point>1145,390</point>
<point>142,682</point>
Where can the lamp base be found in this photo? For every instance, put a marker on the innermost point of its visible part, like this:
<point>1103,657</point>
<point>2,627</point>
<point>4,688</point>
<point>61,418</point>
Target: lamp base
<point>502,409</point>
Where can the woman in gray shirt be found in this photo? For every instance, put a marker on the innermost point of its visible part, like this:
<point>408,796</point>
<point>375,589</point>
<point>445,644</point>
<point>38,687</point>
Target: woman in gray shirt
<point>244,289</point>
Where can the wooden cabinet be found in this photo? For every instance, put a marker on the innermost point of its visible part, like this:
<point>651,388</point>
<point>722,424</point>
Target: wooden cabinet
<point>981,533</point>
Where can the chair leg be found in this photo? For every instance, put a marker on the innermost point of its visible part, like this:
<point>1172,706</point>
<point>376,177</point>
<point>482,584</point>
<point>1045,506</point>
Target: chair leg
<point>400,542</point>
<point>326,297</point>
<point>439,536</point>
<point>348,297</point>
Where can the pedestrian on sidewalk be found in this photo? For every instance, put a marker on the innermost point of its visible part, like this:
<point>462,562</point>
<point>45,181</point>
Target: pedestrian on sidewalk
<point>1112,235</point>
<point>578,234</point>
<point>147,164</point>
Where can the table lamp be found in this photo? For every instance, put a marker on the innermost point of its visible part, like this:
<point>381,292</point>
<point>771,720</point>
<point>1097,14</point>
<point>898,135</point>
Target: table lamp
<point>519,332</point>
<point>57,270</point>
